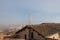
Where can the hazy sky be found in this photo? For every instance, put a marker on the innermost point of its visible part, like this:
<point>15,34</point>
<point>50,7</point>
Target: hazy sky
<point>17,11</point>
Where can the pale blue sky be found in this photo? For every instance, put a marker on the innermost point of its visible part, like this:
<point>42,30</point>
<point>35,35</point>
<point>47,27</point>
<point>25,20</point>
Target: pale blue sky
<point>17,11</point>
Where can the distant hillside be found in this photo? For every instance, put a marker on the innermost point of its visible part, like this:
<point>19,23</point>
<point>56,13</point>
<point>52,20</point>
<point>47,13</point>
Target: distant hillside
<point>52,25</point>
<point>47,28</point>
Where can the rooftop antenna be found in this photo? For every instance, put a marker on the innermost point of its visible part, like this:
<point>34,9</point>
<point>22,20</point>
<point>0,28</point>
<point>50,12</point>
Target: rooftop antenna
<point>29,20</point>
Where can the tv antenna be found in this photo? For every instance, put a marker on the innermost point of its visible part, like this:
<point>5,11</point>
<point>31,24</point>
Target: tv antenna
<point>29,19</point>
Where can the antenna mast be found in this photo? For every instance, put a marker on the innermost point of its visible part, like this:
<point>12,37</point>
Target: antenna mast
<point>29,19</point>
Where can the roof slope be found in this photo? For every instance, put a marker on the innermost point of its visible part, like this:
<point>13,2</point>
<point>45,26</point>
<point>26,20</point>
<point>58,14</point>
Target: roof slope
<point>45,28</point>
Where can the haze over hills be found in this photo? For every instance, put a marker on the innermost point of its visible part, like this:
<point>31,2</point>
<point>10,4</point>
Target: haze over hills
<point>7,27</point>
<point>49,25</point>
